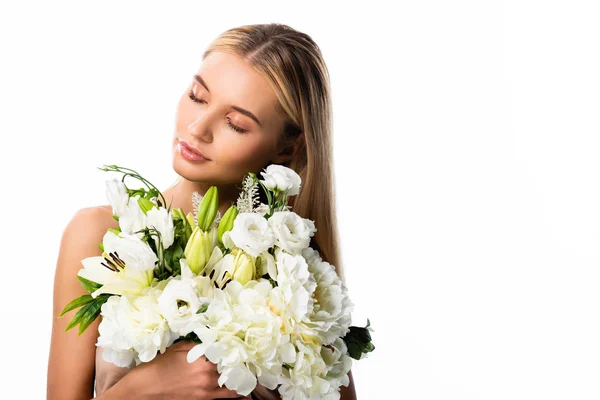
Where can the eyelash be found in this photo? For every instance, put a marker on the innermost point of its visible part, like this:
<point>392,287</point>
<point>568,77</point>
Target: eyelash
<point>235,128</point>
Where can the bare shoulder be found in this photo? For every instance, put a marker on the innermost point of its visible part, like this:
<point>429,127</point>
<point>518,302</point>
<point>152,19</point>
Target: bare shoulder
<point>72,357</point>
<point>91,220</point>
<point>80,239</point>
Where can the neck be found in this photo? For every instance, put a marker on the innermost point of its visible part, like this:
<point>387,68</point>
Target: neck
<point>180,195</point>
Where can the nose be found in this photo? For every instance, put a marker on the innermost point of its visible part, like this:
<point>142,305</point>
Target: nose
<point>200,128</point>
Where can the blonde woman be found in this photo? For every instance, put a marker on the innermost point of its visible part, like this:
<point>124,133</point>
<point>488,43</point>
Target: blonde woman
<point>261,96</point>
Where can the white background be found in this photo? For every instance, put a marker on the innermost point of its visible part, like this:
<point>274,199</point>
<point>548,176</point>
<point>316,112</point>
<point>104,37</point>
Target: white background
<point>467,162</point>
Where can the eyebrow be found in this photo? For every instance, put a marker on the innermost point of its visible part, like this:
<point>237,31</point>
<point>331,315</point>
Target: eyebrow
<point>236,108</point>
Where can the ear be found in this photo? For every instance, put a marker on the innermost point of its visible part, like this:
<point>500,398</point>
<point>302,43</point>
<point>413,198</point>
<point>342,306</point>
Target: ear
<point>290,150</point>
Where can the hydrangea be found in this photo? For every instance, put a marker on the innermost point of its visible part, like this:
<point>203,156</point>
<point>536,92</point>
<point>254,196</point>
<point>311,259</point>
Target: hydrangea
<point>133,330</point>
<point>241,335</point>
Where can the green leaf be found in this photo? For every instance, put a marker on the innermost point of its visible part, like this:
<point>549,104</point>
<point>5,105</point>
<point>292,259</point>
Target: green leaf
<point>358,341</point>
<point>354,350</point>
<point>92,313</point>
<point>78,302</point>
<point>101,247</point>
<point>89,285</point>
<point>78,316</point>
<point>202,308</point>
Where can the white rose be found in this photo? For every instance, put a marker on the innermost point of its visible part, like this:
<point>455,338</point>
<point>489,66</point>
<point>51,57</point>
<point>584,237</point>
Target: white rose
<point>251,232</point>
<point>162,221</point>
<point>283,179</point>
<point>292,232</point>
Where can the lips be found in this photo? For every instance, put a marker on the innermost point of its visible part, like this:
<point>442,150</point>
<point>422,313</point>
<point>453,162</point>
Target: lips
<point>193,150</point>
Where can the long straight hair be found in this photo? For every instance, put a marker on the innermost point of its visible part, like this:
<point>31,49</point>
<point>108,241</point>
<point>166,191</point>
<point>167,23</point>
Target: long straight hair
<point>293,65</point>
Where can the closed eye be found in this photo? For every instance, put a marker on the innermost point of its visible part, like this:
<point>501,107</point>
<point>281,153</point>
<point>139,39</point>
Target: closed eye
<point>194,98</point>
<point>232,126</point>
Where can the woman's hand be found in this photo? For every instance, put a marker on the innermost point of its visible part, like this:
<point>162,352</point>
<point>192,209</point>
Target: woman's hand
<point>170,376</point>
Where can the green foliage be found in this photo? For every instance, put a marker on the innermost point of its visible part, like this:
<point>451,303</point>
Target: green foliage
<point>89,311</point>
<point>88,285</point>
<point>358,341</point>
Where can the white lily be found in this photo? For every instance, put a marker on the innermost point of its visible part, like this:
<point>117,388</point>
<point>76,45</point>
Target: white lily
<point>125,267</point>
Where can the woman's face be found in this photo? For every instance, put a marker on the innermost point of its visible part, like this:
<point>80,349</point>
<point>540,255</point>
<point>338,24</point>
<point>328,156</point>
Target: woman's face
<point>227,114</point>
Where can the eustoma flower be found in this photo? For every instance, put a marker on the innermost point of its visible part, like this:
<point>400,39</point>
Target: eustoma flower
<point>251,232</point>
<point>281,179</point>
<point>292,232</point>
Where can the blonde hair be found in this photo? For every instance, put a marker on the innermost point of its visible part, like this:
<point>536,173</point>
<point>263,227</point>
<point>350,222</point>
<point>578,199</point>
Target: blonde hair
<point>293,65</point>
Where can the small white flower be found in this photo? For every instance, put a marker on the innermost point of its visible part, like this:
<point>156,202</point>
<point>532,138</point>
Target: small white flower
<point>262,209</point>
<point>292,232</point>
<point>251,232</point>
<point>133,218</point>
<point>117,196</point>
<point>162,221</point>
<point>282,179</point>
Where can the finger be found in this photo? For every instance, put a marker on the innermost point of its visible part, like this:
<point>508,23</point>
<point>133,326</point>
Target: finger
<point>183,345</point>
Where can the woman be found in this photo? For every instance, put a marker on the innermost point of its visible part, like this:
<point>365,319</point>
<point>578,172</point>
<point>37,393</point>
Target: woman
<point>261,96</point>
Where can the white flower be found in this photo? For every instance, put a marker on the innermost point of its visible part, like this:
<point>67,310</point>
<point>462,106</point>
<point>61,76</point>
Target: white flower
<point>113,338</point>
<point>262,209</point>
<point>133,218</point>
<point>282,179</point>
<point>291,299</point>
<point>305,379</point>
<point>120,269</point>
<point>292,232</point>
<point>132,250</point>
<point>330,315</point>
<point>241,335</point>
<point>251,232</point>
<point>162,221</point>
<point>117,196</point>
<point>179,303</point>
<point>133,329</point>
<point>338,363</point>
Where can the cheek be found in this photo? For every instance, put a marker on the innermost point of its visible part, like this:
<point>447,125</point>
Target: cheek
<point>183,114</point>
<point>245,153</point>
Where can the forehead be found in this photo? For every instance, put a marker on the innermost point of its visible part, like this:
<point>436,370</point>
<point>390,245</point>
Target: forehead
<point>233,81</point>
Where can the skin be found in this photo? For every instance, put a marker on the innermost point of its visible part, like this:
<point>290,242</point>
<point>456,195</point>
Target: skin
<point>203,125</point>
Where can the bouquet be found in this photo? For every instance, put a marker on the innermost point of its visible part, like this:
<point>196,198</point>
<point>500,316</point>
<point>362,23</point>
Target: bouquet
<point>245,287</point>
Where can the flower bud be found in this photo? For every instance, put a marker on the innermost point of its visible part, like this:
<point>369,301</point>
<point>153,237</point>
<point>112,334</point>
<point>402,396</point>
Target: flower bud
<point>178,215</point>
<point>190,218</point>
<point>207,210</point>
<point>226,223</point>
<point>243,266</point>
<point>199,248</point>
<point>145,204</point>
